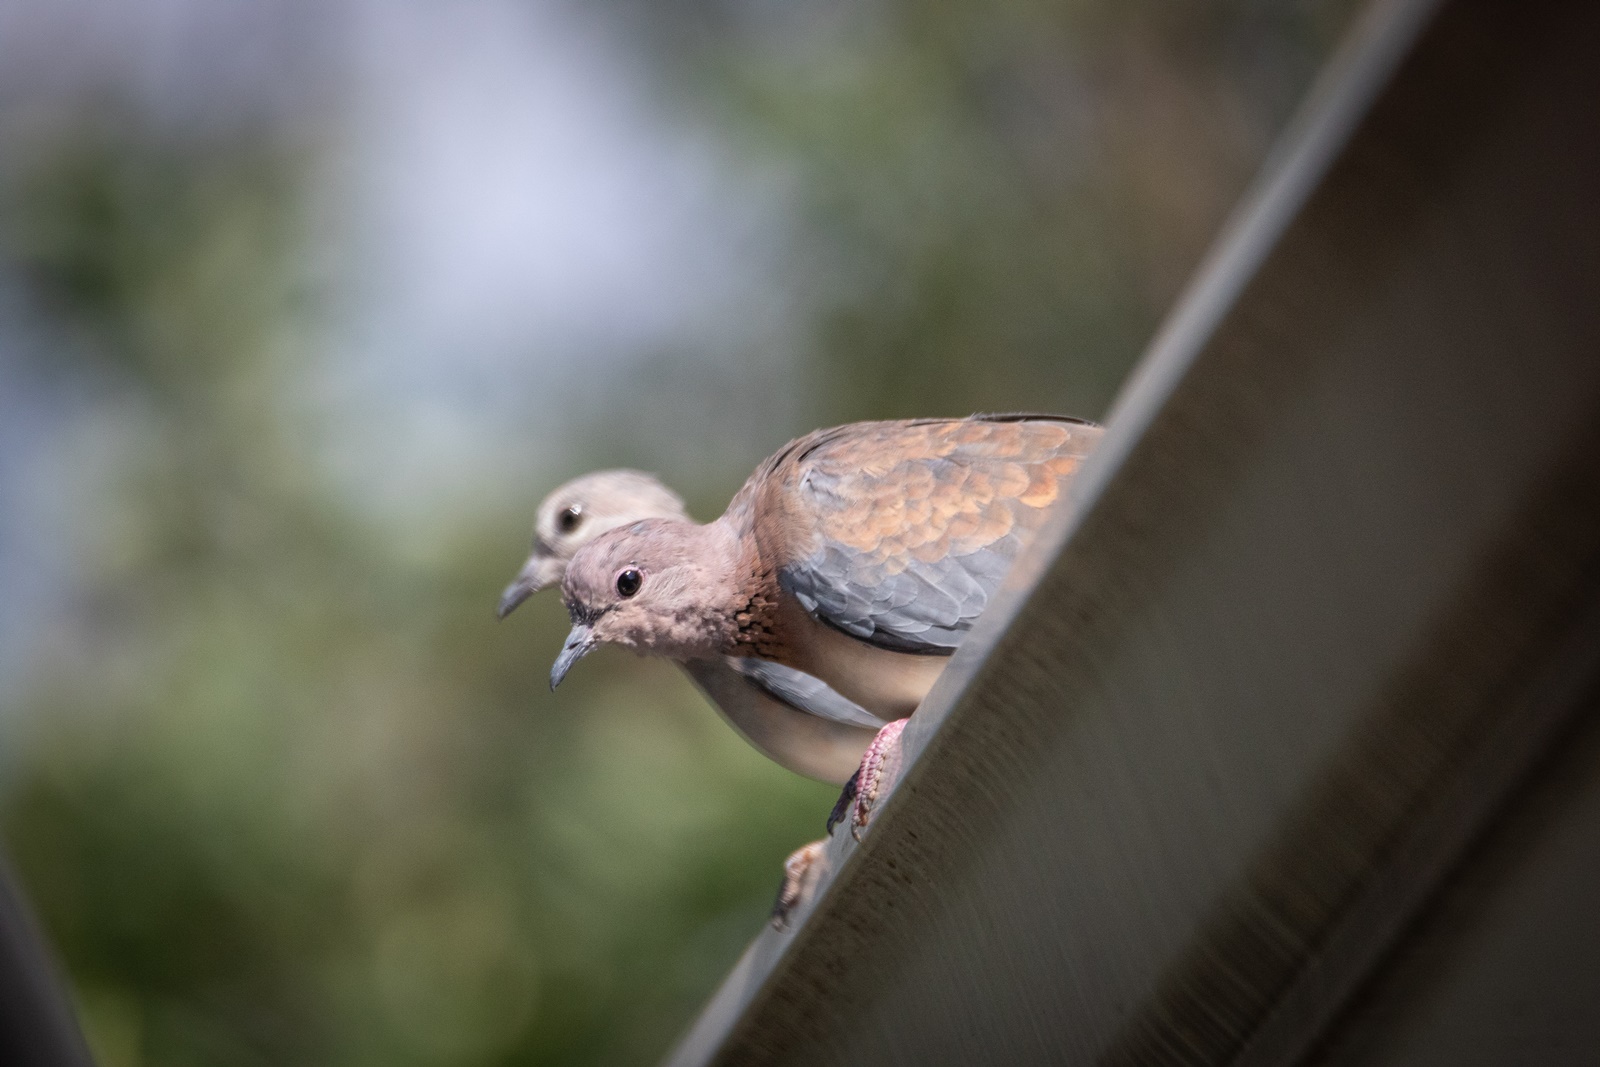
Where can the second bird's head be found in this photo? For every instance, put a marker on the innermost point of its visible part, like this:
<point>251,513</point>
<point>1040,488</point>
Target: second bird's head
<point>575,514</point>
<point>656,587</point>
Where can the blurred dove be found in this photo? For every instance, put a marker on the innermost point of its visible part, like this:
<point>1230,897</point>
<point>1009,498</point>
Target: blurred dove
<point>860,555</point>
<point>790,717</point>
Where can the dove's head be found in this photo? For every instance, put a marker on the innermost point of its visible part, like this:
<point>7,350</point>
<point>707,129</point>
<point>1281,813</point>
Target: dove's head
<point>578,512</point>
<point>659,587</point>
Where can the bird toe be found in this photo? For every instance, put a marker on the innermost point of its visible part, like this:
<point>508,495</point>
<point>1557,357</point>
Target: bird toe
<point>880,766</point>
<point>800,874</point>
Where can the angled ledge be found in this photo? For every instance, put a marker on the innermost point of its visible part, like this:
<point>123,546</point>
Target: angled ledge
<point>1326,611</point>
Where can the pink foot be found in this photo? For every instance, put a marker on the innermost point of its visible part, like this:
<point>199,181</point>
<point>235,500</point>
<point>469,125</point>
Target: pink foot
<point>880,766</point>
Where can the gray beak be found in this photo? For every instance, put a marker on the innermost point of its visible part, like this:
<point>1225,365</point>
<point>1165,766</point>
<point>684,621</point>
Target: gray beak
<point>537,573</point>
<point>579,643</point>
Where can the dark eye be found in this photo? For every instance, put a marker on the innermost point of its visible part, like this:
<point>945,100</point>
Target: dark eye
<point>569,518</point>
<point>628,581</point>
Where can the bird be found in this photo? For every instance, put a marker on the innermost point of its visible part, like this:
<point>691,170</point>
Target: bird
<point>859,555</point>
<point>575,513</point>
<point>792,718</point>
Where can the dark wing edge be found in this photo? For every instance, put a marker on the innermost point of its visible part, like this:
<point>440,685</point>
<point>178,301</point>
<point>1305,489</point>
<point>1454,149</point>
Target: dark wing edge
<point>1028,416</point>
<point>803,692</point>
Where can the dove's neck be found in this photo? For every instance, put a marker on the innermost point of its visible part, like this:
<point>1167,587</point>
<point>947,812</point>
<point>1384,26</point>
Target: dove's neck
<point>741,594</point>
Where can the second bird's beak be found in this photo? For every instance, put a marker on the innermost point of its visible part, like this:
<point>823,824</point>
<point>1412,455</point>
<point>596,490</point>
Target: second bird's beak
<point>537,573</point>
<point>579,644</point>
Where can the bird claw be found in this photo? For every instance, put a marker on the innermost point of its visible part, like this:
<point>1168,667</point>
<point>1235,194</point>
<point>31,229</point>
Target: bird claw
<point>847,797</point>
<point>800,874</point>
<point>880,766</point>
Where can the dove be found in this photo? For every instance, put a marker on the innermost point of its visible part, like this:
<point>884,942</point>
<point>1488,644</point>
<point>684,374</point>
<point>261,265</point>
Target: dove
<point>860,555</point>
<point>793,719</point>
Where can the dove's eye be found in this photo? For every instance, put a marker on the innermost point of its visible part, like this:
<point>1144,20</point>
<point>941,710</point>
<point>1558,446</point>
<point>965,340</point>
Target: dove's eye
<point>569,518</point>
<point>628,581</point>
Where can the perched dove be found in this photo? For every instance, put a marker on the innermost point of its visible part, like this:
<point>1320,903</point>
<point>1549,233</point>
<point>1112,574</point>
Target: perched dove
<point>791,718</point>
<point>860,555</point>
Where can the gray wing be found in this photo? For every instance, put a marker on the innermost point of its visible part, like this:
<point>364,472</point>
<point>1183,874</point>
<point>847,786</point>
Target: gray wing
<point>909,528</point>
<point>805,743</point>
<point>804,692</point>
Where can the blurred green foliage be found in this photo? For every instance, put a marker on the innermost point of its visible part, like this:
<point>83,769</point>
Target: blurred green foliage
<point>284,797</point>
<point>279,786</point>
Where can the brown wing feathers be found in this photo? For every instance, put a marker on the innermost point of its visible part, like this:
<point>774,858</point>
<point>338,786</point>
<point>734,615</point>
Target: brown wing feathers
<point>898,533</point>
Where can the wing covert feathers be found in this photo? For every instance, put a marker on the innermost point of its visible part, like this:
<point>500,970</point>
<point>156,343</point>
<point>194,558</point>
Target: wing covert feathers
<point>898,533</point>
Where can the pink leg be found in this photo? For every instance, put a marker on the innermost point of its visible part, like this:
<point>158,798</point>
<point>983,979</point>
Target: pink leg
<point>880,766</point>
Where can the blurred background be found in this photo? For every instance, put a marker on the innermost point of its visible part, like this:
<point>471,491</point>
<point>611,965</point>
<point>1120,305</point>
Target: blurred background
<point>305,304</point>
